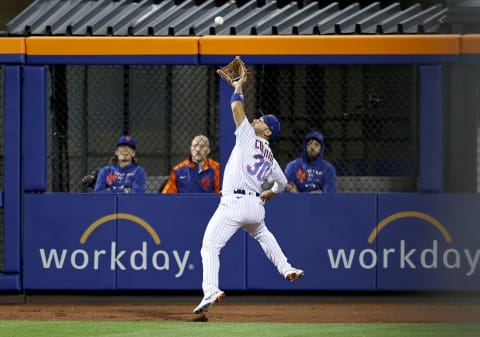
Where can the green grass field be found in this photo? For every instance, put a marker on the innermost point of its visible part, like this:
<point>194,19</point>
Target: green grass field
<point>211,329</point>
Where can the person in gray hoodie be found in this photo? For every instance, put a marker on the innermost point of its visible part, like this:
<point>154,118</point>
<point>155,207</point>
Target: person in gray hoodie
<point>311,173</point>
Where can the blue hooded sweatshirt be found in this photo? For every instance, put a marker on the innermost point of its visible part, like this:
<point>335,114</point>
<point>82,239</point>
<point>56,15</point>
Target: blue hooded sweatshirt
<point>116,179</point>
<point>318,175</point>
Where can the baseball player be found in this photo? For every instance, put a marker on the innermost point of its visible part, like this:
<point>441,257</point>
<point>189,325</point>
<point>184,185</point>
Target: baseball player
<point>311,173</point>
<point>197,173</point>
<point>242,198</point>
<point>123,175</point>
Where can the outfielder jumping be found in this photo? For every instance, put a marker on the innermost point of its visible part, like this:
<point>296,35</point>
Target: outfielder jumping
<point>242,198</point>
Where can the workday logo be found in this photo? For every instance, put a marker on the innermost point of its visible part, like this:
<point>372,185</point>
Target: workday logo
<point>405,255</point>
<point>113,257</point>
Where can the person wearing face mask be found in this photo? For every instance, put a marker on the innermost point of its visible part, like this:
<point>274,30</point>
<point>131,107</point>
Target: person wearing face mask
<point>311,173</point>
<point>196,174</point>
<point>124,174</point>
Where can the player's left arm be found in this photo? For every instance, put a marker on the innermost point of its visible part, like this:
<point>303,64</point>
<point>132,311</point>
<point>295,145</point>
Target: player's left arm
<point>237,102</point>
<point>280,182</point>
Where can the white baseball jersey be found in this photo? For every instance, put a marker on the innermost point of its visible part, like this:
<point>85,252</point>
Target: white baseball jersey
<point>251,162</point>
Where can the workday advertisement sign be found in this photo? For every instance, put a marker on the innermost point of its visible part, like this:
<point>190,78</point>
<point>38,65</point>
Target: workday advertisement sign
<point>342,241</point>
<point>428,242</point>
<point>376,242</point>
<point>83,242</point>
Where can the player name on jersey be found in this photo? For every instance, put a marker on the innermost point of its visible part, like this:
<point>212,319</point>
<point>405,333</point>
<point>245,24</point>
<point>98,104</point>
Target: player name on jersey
<point>264,150</point>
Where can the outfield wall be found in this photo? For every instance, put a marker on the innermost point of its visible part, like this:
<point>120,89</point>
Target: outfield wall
<point>424,241</point>
<point>343,241</point>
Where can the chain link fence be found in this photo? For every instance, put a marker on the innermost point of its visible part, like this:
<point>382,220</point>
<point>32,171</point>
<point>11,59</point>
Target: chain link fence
<point>163,107</point>
<point>367,113</point>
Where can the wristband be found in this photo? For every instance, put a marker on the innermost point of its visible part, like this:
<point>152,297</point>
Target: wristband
<point>237,97</point>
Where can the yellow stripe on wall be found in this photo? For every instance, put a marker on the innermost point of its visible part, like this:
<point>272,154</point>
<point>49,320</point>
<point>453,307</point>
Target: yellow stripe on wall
<point>471,44</point>
<point>324,45</point>
<point>9,45</point>
<point>60,45</point>
<point>245,45</point>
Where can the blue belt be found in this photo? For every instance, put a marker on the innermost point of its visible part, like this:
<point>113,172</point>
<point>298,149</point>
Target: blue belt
<point>238,191</point>
<point>246,192</point>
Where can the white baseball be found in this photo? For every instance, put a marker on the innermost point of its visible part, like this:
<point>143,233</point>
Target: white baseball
<point>218,20</point>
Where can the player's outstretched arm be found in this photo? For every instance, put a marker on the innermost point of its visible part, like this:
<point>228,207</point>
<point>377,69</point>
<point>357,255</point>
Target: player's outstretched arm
<point>236,102</point>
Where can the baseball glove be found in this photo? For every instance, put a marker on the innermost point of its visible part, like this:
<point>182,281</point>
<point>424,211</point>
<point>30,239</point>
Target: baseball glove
<point>233,71</point>
<point>90,179</point>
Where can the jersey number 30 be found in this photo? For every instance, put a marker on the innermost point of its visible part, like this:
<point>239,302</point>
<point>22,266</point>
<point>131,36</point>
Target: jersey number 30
<point>259,168</point>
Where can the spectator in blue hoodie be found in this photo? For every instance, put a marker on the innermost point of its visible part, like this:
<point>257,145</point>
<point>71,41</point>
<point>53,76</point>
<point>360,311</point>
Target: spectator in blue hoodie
<point>311,173</point>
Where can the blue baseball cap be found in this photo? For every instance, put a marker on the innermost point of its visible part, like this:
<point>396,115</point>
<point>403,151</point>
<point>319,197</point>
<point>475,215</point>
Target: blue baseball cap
<point>127,140</point>
<point>273,124</point>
